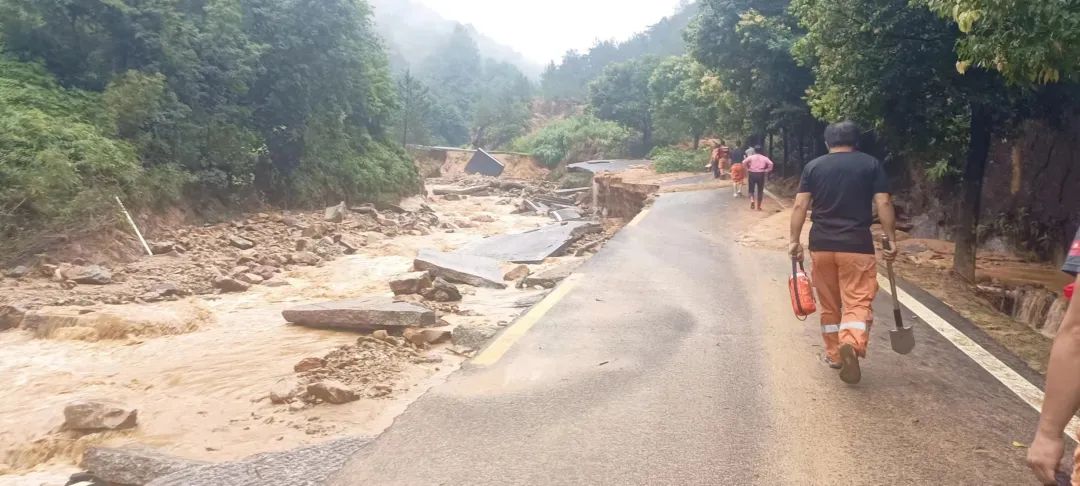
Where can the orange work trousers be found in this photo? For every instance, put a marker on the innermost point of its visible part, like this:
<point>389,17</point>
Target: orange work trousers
<point>846,285</point>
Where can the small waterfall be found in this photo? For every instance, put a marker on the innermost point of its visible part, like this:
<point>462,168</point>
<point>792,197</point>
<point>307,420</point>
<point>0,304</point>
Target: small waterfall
<point>1037,307</point>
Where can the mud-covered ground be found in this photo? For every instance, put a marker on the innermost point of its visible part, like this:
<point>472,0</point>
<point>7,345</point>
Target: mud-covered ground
<point>200,365</point>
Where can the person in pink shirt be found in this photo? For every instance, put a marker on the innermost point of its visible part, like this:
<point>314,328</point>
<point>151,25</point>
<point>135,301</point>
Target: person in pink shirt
<point>759,166</point>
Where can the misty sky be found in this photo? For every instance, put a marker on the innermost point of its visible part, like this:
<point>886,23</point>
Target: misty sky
<point>543,30</point>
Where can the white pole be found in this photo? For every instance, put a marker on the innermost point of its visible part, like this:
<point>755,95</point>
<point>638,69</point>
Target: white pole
<point>136,228</point>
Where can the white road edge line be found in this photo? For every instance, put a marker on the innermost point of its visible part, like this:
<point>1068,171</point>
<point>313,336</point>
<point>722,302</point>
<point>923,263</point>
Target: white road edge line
<point>1006,375</point>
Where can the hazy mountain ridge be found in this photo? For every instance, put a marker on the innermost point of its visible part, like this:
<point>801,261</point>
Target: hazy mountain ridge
<point>412,32</point>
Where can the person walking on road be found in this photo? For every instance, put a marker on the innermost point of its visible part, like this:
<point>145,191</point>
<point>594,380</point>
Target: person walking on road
<point>1062,388</point>
<point>759,167</point>
<point>738,177</point>
<point>720,159</point>
<point>841,187</point>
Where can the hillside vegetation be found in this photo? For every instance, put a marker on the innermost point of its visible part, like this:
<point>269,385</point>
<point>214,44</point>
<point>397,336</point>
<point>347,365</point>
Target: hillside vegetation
<point>287,100</point>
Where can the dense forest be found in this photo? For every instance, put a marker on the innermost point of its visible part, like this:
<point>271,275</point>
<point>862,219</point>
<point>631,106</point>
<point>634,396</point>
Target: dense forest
<point>304,102</point>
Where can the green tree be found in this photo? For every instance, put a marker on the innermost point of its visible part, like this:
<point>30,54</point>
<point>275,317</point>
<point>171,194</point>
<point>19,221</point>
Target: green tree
<point>501,112</point>
<point>621,94</point>
<point>1028,42</point>
<point>683,96</point>
<point>416,109</point>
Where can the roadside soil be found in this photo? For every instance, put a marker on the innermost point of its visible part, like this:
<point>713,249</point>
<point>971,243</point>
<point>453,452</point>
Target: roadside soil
<point>202,385</point>
<point>928,263</point>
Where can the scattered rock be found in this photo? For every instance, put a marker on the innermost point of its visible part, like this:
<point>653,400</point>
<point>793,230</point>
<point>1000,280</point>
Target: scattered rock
<point>517,273</point>
<point>305,258</point>
<point>251,278</point>
<point>17,272</point>
<point>241,242</point>
<point>351,245</point>
<point>454,197</point>
<point>331,391</point>
<point>314,231</point>
<point>132,465</point>
<point>11,316</point>
<point>88,274</point>
<point>96,415</point>
<point>162,247</point>
<point>285,390</point>
<point>302,244</point>
<point>228,284</point>
<point>458,268</point>
<point>265,271</point>
<point>361,314</point>
<point>483,218</point>
<point>308,364</point>
<point>247,256</point>
<point>442,291</point>
<point>335,214</point>
<point>426,336</point>
<point>411,283</point>
<point>381,335</point>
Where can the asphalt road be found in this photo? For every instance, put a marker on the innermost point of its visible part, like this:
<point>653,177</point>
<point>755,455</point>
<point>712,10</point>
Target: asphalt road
<point>677,361</point>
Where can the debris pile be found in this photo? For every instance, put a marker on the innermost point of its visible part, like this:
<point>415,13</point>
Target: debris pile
<point>367,369</point>
<point>224,257</point>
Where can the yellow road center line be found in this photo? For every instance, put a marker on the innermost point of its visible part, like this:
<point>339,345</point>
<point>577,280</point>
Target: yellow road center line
<point>512,334</point>
<point>640,216</point>
<point>1006,375</point>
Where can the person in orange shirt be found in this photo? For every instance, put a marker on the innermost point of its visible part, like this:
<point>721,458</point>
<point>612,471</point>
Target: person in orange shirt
<point>1062,388</point>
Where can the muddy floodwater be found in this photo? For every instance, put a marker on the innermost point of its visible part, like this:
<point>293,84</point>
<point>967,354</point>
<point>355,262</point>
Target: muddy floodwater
<point>203,394</point>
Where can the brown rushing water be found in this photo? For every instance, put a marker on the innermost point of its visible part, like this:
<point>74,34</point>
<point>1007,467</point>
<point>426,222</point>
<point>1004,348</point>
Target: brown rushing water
<point>200,395</point>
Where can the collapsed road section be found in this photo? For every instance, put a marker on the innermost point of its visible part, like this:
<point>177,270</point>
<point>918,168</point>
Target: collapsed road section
<point>273,331</point>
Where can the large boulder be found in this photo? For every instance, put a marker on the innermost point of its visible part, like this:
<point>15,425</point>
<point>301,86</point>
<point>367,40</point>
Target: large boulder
<point>241,242</point>
<point>228,284</point>
<point>331,391</point>
<point>305,258</point>
<point>335,214</point>
<point>410,283</point>
<point>87,274</point>
<point>17,272</point>
<point>11,316</point>
<point>132,465</point>
<point>460,268</point>
<point>361,315</point>
<point>97,415</point>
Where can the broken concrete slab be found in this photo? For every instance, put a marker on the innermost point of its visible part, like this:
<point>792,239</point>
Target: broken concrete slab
<point>533,246</point>
<point>365,314</point>
<point>306,466</point>
<point>474,335</point>
<point>11,316</point>
<point>132,465</point>
<point>464,268</point>
<point>568,214</point>
<point>551,277</point>
<point>484,163</point>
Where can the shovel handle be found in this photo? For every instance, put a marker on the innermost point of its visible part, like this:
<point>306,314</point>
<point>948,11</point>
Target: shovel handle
<point>897,316</point>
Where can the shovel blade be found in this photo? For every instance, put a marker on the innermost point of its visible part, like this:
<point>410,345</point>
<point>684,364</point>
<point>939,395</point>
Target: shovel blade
<point>903,340</point>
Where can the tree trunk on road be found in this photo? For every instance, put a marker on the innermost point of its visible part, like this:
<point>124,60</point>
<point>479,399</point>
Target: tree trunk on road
<point>981,130</point>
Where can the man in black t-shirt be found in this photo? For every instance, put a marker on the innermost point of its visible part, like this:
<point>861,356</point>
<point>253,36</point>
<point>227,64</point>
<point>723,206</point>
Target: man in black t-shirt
<point>1062,387</point>
<point>842,186</point>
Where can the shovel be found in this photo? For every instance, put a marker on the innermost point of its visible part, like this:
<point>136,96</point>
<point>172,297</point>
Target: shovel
<point>903,338</point>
